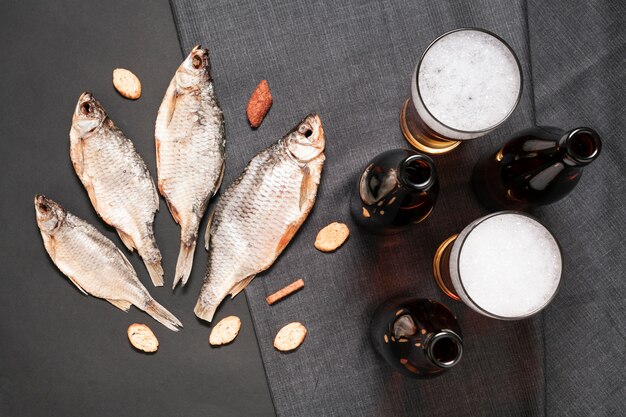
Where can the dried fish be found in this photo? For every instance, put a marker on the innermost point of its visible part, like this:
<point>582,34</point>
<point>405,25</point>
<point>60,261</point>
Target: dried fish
<point>93,263</point>
<point>190,145</point>
<point>259,213</point>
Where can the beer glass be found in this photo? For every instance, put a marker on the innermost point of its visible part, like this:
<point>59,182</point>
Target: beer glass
<point>466,84</point>
<point>506,265</point>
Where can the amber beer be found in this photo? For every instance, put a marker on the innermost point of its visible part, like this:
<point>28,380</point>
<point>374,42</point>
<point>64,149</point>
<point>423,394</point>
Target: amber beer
<point>467,83</point>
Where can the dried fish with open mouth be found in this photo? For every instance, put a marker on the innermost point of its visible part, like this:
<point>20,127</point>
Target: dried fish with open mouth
<point>93,263</point>
<point>190,145</point>
<point>117,180</point>
<point>259,213</point>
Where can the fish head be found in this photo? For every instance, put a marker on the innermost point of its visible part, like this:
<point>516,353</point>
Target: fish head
<point>194,70</point>
<point>50,215</point>
<point>88,115</point>
<point>306,141</point>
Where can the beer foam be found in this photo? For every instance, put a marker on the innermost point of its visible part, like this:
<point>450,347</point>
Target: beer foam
<point>510,265</point>
<point>469,81</point>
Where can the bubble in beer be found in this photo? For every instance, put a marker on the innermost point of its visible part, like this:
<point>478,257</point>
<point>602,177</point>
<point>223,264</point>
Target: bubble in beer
<point>469,81</point>
<point>510,265</point>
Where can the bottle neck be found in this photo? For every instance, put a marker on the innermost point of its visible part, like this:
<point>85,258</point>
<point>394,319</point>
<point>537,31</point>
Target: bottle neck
<point>444,349</point>
<point>581,145</point>
<point>417,172</point>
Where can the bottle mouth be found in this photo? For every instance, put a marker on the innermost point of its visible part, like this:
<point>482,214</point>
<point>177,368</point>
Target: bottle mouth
<point>584,144</point>
<point>445,349</point>
<point>417,171</point>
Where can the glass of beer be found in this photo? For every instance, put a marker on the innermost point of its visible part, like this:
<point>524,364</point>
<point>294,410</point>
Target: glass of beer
<point>467,83</point>
<point>506,265</point>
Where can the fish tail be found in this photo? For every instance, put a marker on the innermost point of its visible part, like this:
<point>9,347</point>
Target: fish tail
<point>151,256</point>
<point>156,272</point>
<point>184,263</point>
<point>188,237</point>
<point>160,314</point>
<point>204,309</point>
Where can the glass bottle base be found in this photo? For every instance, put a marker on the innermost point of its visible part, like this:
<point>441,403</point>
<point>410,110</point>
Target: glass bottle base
<point>421,141</point>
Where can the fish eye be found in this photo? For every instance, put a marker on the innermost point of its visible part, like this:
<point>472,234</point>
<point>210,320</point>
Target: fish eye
<point>85,108</point>
<point>306,131</point>
<point>196,62</point>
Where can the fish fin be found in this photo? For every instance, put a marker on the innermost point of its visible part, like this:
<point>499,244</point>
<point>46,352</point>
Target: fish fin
<point>76,154</point>
<point>218,184</point>
<point>156,272</point>
<point>308,187</point>
<point>155,197</point>
<point>121,304</point>
<point>126,261</point>
<point>127,240</point>
<point>207,233</point>
<point>175,213</point>
<point>292,228</point>
<point>238,287</point>
<point>171,106</point>
<point>92,194</point>
<point>75,282</point>
<point>50,245</point>
<point>78,160</point>
<point>160,314</point>
<point>184,263</point>
<point>157,145</point>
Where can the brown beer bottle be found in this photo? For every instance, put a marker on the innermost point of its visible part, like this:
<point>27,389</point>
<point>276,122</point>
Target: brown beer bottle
<point>418,337</point>
<point>398,188</point>
<point>538,166</point>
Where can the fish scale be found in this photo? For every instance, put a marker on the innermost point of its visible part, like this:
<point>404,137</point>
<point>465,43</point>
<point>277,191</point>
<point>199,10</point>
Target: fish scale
<point>259,213</point>
<point>189,137</point>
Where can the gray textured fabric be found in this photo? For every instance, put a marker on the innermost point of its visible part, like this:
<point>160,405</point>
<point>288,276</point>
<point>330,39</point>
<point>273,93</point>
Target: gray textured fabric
<point>350,62</point>
<point>578,61</point>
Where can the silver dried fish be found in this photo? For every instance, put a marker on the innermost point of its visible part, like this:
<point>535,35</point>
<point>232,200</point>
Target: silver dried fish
<point>117,180</point>
<point>93,263</point>
<point>259,213</point>
<point>190,145</point>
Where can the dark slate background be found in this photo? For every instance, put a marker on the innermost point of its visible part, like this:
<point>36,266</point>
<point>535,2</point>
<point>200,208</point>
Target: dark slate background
<point>62,353</point>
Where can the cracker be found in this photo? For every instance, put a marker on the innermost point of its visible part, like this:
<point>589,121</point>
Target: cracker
<point>225,331</point>
<point>290,337</point>
<point>331,237</point>
<point>126,83</point>
<point>142,338</point>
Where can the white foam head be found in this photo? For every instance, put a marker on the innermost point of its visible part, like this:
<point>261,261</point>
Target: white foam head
<point>469,81</point>
<point>509,265</point>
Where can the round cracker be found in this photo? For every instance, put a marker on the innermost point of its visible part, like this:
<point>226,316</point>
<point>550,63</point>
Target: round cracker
<point>142,338</point>
<point>225,331</point>
<point>290,337</point>
<point>126,83</point>
<point>331,237</point>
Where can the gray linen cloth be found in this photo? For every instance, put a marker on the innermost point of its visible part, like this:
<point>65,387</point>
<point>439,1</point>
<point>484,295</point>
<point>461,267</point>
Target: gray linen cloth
<point>578,60</point>
<point>350,61</point>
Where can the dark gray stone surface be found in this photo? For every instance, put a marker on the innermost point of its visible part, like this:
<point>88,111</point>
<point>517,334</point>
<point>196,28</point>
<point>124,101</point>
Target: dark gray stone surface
<point>62,353</point>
